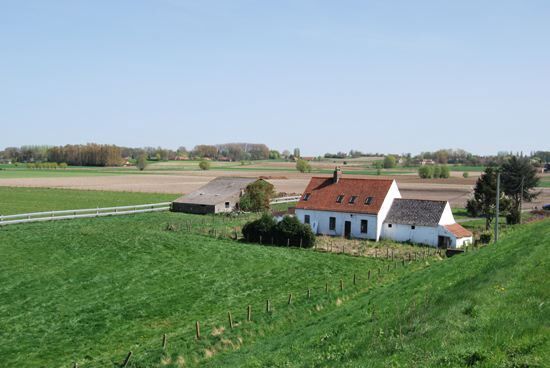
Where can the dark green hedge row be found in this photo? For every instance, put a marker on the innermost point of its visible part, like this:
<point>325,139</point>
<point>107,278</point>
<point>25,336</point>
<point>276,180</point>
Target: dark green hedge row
<point>289,231</point>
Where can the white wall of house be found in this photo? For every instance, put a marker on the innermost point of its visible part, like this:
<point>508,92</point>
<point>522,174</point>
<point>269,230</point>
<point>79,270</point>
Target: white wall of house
<point>393,193</point>
<point>405,233</point>
<point>320,223</point>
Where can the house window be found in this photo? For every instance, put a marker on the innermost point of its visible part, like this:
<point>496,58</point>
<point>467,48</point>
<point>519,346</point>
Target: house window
<point>306,219</point>
<point>332,223</point>
<point>226,204</point>
<point>389,225</point>
<point>368,200</point>
<point>364,226</point>
<point>340,198</point>
<point>306,196</point>
<point>352,199</point>
<point>413,227</point>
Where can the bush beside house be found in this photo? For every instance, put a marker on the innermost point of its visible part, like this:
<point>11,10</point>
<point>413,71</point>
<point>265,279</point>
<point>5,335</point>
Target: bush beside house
<point>289,230</point>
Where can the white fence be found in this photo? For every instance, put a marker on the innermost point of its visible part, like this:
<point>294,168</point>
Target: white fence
<point>285,199</point>
<point>100,212</point>
<point>85,213</point>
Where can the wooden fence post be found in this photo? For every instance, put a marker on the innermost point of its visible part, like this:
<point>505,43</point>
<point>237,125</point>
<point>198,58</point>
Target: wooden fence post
<point>198,330</point>
<point>300,242</point>
<point>288,242</point>
<point>354,279</point>
<point>341,284</point>
<point>290,298</point>
<point>326,287</point>
<point>164,342</point>
<point>230,320</point>
<point>249,313</point>
<point>260,239</point>
<point>379,271</point>
<point>368,275</point>
<point>267,309</point>
<point>126,360</point>
<point>309,293</point>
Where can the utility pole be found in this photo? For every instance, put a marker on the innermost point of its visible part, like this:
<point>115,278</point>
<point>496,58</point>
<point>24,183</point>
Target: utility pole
<point>497,207</point>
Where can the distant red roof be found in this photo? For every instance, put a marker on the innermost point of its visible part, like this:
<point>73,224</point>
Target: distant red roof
<point>458,231</point>
<point>322,194</point>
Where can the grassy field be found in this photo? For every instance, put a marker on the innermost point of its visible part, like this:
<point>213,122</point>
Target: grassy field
<point>102,287</point>
<point>23,200</point>
<point>487,308</point>
<point>90,290</point>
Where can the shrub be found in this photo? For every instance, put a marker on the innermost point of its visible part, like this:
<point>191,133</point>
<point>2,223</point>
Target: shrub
<point>485,237</point>
<point>141,162</point>
<point>445,173</point>
<point>465,175</point>
<point>303,166</point>
<point>437,171</point>
<point>263,227</point>
<point>292,230</point>
<point>257,196</point>
<point>204,165</point>
<point>289,229</point>
<point>389,162</point>
<point>425,172</point>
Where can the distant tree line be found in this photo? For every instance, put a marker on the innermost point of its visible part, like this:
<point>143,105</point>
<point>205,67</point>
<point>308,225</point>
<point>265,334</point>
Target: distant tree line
<point>90,154</point>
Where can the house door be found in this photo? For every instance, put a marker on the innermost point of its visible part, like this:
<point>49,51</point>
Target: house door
<point>347,229</point>
<point>443,242</point>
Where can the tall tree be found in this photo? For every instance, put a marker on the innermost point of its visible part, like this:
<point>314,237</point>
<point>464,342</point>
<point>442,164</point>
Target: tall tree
<point>484,201</point>
<point>519,179</point>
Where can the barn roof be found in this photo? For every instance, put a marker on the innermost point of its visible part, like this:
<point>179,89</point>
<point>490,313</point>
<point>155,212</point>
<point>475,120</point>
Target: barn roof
<point>458,231</point>
<point>322,193</point>
<point>419,212</point>
<point>216,191</point>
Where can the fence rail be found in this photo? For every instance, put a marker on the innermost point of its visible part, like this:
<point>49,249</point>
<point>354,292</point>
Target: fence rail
<point>285,199</point>
<point>82,213</point>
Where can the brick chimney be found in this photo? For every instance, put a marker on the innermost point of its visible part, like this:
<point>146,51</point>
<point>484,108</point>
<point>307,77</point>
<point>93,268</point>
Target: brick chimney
<point>337,175</point>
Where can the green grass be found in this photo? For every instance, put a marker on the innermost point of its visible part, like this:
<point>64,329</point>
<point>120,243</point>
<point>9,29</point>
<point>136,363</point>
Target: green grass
<point>466,168</point>
<point>15,200</point>
<point>488,308</point>
<point>544,182</point>
<point>90,290</point>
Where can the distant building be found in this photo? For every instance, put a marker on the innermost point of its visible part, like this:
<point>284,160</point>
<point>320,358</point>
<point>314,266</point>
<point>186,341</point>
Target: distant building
<point>373,209</point>
<point>220,195</point>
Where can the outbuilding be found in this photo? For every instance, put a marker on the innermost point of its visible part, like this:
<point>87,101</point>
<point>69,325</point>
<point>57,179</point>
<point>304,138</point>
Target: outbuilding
<point>218,196</point>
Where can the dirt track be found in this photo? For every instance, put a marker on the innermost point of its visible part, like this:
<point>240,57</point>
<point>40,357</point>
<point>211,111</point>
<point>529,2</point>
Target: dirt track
<point>456,189</point>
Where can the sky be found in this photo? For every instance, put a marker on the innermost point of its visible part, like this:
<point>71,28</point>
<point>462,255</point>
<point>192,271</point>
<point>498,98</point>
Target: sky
<point>324,76</point>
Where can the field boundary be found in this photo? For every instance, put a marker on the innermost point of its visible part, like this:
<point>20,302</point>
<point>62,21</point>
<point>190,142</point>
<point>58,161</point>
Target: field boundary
<point>82,213</point>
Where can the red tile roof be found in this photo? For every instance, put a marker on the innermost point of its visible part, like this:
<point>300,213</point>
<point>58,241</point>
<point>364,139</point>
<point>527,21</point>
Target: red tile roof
<point>458,231</point>
<point>323,193</point>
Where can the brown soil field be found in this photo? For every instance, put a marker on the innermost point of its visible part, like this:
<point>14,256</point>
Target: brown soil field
<point>456,190</point>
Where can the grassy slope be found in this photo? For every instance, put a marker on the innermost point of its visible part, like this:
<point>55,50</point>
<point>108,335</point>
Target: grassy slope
<point>488,309</point>
<point>90,290</point>
<point>22,200</point>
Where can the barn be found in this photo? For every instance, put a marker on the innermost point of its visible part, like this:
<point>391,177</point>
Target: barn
<point>218,196</point>
<point>373,209</point>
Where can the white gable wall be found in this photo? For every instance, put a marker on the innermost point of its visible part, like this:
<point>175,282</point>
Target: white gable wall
<point>447,217</point>
<point>320,223</point>
<point>393,193</point>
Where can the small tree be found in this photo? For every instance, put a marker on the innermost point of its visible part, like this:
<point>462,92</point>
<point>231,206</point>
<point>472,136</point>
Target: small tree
<point>303,166</point>
<point>389,162</point>
<point>257,196</point>
<point>465,175</point>
<point>436,171</point>
<point>63,165</point>
<point>142,162</point>
<point>519,178</point>
<point>204,165</point>
<point>445,173</point>
<point>425,172</point>
<point>263,227</point>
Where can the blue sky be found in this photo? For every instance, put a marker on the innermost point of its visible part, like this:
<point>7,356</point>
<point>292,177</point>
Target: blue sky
<point>378,76</point>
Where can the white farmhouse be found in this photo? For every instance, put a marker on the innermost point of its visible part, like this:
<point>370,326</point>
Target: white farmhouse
<point>373,209</point>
